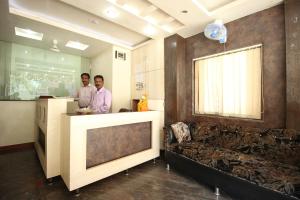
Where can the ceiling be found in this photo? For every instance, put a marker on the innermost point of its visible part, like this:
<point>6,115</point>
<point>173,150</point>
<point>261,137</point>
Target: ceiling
<point>226,10</point>
<point>7,33</point>
<point>168,13</point>
<point>64,16</point>
<point>136,21</point>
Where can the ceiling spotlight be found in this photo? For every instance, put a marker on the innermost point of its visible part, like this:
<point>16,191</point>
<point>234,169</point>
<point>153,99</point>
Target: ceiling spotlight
<point>111,12</point>
<point>77,45</point>
<point>28,33</point>
<point>149,30</point>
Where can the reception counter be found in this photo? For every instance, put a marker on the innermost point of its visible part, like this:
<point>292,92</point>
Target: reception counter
<point>96,146</point>
<point>47,133</point>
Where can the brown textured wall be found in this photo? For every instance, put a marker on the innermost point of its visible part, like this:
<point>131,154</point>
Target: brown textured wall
<point>266,27</point>
<point>175,68</point>
<point>292,24</point>
<point>110,143</point>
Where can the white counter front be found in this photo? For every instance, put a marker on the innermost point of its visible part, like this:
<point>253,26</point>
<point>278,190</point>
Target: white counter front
<point>77,130</point>
<point>47,133</point>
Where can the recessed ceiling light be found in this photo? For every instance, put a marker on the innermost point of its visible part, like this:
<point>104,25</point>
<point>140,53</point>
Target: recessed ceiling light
<point>111,12</point>
<point>131,9</point>
<point>77,45</point>
<point>184,11</point>
<point>28,33</point>
<point>149,30</point>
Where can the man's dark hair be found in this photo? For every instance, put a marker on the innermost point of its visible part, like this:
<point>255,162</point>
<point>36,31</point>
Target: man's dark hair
<point>85,74</point>
<point>99,76</point>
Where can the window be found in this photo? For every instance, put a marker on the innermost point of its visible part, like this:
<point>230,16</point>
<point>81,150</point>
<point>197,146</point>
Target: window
<point>28,72</point>
<point>229,84</point>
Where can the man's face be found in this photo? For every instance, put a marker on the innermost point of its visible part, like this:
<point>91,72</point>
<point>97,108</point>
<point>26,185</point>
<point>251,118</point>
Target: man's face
<point>99,83</point>
<point>85,80</point>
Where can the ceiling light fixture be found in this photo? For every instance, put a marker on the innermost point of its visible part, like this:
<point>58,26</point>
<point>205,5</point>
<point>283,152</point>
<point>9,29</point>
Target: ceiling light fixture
<point>149,30</point>
<point>131,9</point>
<point>77,45</point>
<point>18,10</point>
<point>199,5</point>
<point>111,12</point>
<point>28,33</point>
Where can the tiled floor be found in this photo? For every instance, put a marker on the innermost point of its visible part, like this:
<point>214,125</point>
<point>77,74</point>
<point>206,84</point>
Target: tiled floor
<point>22,178</point>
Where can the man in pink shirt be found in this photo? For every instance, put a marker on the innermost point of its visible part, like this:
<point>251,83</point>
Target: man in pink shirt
<point>101,98</point>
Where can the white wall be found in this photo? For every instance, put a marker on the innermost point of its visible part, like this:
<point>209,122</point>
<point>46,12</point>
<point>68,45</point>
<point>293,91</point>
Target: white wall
<point>17,122</point>
<point>117,75</point>
<point>121,80</point>
<point>148,69</point>
<point>102,65</point>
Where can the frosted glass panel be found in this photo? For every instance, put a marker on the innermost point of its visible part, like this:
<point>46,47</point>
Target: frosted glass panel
<point>34,72</point>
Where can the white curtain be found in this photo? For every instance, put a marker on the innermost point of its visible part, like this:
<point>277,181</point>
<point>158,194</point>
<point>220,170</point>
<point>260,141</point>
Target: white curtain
<point>230,84</point>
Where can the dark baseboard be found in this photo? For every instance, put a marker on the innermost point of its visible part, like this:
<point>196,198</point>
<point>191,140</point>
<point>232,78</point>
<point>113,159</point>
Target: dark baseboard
<point>16,147</point>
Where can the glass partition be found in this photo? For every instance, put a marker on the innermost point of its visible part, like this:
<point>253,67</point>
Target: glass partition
<point>28,72</point>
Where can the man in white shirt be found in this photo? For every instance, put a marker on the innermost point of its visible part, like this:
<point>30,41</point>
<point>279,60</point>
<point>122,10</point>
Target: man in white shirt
<point>86,91</point>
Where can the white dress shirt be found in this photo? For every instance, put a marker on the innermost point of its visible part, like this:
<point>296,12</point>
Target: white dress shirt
<point>85,95</point>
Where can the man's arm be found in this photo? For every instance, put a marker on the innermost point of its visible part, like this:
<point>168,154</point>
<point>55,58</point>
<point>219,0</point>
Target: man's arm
<point>107,103</point>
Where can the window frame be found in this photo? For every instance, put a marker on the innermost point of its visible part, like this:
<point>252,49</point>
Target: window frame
<point>194,114</point>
